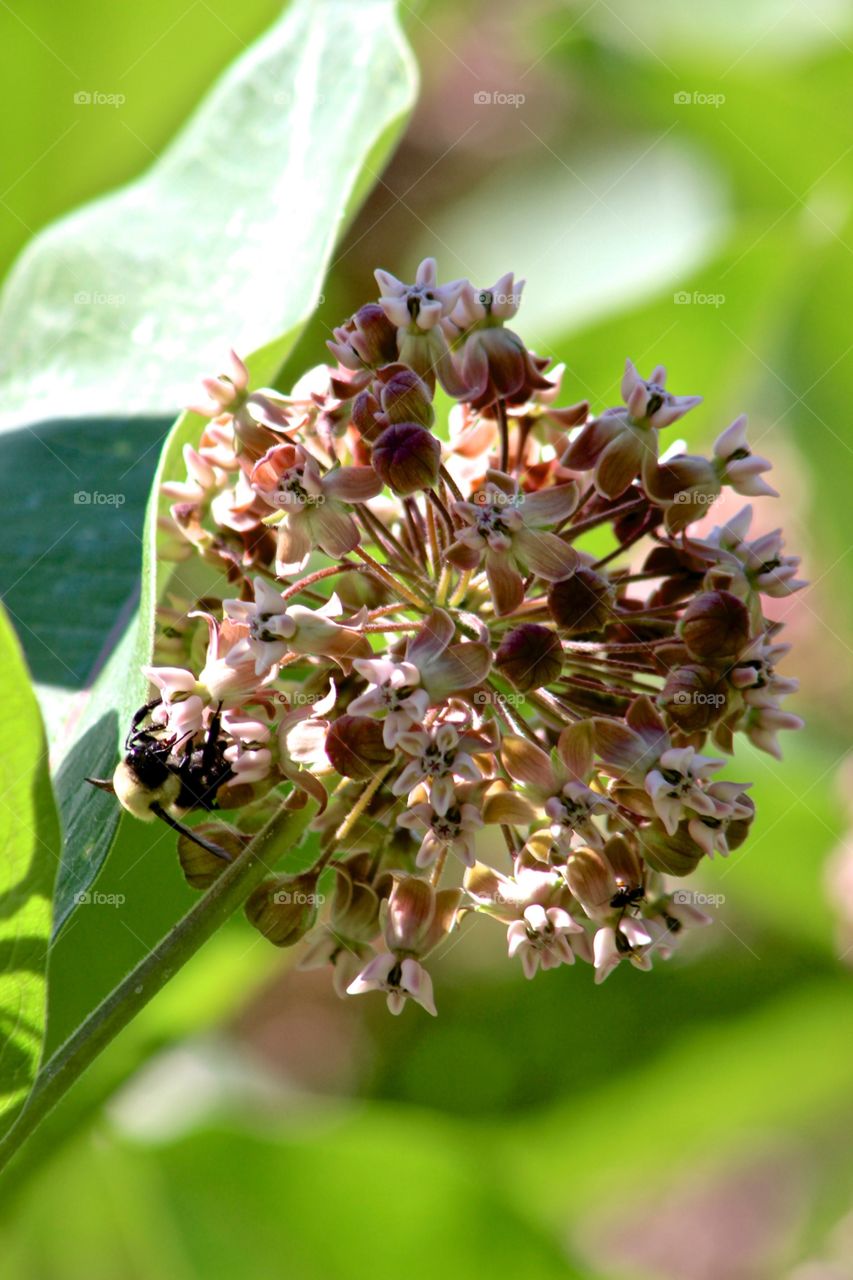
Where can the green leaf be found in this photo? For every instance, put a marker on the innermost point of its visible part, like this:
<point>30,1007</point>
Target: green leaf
<point>374,1193</point>
<point>332,181</point>
<point>142,866</point>
<point>224,240</point>
<point>29,840</point>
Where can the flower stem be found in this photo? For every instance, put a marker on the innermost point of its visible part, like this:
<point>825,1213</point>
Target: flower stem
<point>390,581</point>
<point>280,835</point>
<point>362,802</point>
<point>503,425</point>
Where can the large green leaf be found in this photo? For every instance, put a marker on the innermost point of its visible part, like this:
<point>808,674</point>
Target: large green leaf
<point>94,825</point>
<point>29,848</point>
<point>224,240</point>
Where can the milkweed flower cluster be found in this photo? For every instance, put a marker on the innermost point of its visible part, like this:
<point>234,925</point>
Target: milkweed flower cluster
<point>490,646</point>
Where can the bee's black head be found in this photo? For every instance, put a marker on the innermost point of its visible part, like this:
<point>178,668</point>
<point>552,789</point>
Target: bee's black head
<point>148,765</point>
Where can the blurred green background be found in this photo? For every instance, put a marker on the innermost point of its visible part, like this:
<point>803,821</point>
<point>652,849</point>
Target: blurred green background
<point>675,183</point>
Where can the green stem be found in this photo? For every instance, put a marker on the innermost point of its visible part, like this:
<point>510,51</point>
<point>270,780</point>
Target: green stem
<point>222,899</point>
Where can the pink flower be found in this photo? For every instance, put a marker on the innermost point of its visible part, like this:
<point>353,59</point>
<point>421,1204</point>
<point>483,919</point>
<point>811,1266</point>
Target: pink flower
<point>740,468</point>
<point>496,364</point>
<point>557,784</point>
<point>416,310</point>
<point>401,980</point>
<point>540,938</point>
<point>393,693</point>
<point>675,784</point>
<point>273,628</point>
<point>440,755</point>
<point>454,831</point>
<point>506,529</point>
<point>226,393</point>
<point>249,755</point>
<point>630,940</point>
<point>622,441</point>
<point>311,504</point>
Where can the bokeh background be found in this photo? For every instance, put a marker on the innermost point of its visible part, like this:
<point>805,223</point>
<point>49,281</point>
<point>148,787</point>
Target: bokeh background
<point>675,183</point>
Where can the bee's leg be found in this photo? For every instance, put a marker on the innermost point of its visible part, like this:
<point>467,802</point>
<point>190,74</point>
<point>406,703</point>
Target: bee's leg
<point>211,742</point>
<point>139,716</point>
<point>105,784</point>
<point>190,834</point>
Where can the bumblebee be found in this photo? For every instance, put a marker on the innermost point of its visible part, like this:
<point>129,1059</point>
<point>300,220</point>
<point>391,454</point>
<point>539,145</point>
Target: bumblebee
<point>152,782</point>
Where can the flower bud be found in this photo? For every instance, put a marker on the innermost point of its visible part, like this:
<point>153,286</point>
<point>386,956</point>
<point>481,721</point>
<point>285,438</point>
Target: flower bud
<point>355,748</point>
<point>530,656</point>
<point>355,908</point>
<point>404,396</point>
<point>284,908</point>
<point>201,867</point>
<point>368,338</point>
<point>694,697</point>
<point>407,457</point>
<point>367,416</point>
<point>715,627</point>
<point>419,916</point>
<point>591,881</point>
<point>583,603</point>
<point>676,855</point>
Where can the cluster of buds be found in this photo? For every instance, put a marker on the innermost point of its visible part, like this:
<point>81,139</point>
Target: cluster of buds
<point>489,644</point>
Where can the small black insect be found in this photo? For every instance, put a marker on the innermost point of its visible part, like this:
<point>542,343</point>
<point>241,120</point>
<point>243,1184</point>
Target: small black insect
<point>152,782</point>
<point>627,896</point>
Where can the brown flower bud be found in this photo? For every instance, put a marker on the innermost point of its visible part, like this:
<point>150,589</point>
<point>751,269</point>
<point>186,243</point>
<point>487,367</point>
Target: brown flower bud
<point>694,697</point>
<point>355,906</point>
<point>676,855</point>
<point>355,748</point>
<point>367,415</point>
<point>284,908</point>
<point>200,866</point>
<point>404,396</point>
<point>583,603</point>
<point>715,627</point>
<point>530,656</point>
<point>369,335</point>
<point>407,457</point>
